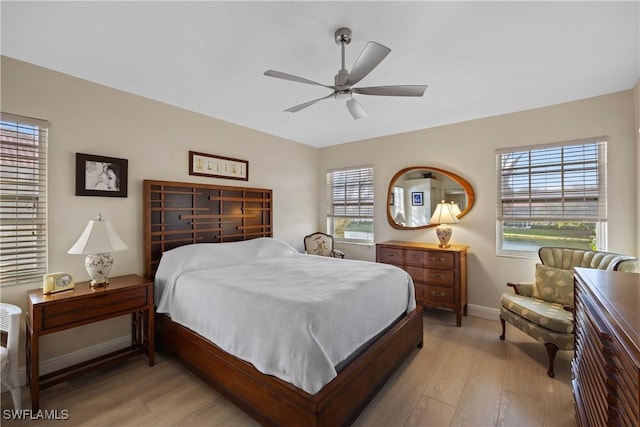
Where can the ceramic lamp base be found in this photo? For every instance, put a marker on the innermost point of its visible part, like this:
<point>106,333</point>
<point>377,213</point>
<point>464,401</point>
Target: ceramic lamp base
<point>98,267</point>
<point>444,231</point>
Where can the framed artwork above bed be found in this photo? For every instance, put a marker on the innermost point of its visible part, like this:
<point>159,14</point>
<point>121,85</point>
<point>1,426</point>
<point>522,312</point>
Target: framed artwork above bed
<point>202,164</point>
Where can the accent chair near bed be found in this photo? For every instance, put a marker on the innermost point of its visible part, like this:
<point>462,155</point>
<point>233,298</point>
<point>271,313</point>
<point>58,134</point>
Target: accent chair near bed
<point>544,309</point>
<point>319,243</point>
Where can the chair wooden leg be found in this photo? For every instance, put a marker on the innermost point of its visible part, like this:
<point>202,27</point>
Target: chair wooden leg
<point>503,328</point>
<point>552,349</point>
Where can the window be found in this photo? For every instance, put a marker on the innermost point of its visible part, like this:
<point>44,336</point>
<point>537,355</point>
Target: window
<point>350,204</point>
<point>552,195</point>
<point>23,201</point>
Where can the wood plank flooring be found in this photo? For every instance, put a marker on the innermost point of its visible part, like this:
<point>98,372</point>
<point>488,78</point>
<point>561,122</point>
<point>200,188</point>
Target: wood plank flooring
<point>462,376</point>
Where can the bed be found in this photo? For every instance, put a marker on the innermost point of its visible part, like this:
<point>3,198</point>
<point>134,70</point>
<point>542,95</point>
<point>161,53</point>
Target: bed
<point>193,224</point>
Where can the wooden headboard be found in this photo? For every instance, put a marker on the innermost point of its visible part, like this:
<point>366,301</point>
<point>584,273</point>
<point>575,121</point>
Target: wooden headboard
<point>178,213</point>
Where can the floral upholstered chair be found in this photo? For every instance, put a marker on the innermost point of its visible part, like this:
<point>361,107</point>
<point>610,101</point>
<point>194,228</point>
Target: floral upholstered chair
<point>544,309</point>
<point>321,244</point>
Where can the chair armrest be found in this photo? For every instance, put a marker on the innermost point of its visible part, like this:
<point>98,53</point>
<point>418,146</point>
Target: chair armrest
<point>522,288</point>
<point>337,253</point>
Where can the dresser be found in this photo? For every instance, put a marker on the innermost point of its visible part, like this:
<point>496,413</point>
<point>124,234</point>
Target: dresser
<point>439,274</point>
<point>606,364</point>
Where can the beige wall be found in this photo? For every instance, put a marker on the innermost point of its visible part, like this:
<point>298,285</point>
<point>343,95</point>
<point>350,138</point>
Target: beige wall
<point>467,149</point>
<point>636,129</point>
<point>155,138</point>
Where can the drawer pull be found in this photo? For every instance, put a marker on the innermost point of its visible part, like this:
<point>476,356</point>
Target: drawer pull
<point>436,276</point>
<point>438,294</point>
<point>434,259</point>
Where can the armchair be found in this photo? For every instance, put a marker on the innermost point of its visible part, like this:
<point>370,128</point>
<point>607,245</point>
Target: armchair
<point>544,309</point>
<point>321,244</point>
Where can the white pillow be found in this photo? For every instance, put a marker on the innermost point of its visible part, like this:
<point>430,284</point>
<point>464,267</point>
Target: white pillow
<point>199,256</point>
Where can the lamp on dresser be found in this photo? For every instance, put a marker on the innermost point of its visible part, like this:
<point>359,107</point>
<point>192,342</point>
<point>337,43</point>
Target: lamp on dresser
<point>97,242</point>
<point>443,215</point>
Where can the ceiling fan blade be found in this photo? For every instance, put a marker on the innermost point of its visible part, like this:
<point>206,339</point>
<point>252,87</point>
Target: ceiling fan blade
<point>356,109</point>
<point>285,76</point>
<point>307,104</point>
<point>405,90</point>
<point>372,54</point>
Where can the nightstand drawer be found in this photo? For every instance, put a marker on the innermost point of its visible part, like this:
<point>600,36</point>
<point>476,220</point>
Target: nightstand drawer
<point>439,277</point>
<point>391,256</point>
<point>84,309</point>
<point>439,260</point>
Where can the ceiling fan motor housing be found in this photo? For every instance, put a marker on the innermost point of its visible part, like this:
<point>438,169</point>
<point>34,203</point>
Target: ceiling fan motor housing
<point>341,79</point>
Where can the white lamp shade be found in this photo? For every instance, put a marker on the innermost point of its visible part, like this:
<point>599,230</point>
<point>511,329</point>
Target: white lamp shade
<point>444,214</point>
<point>99,237</point>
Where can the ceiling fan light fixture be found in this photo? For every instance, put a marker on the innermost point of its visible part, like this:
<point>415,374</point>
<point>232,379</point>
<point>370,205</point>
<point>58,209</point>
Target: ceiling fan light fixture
<point>356,110</point>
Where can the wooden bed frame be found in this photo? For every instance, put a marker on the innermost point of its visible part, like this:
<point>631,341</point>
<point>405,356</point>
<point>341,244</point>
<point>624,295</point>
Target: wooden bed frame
<point>182,213</point>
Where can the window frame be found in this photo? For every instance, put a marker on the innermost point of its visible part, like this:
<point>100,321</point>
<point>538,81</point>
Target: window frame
<point>365,201</point>
<point>25,140</point>
<point>597,215</point>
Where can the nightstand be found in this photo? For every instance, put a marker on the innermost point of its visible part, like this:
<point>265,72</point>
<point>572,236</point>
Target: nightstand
<point>56,312</point>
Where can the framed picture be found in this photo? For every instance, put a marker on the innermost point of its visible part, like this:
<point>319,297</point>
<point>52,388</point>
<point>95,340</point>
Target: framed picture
<point>101,176</point>
<point>202,164</point>
<point>416,198</point>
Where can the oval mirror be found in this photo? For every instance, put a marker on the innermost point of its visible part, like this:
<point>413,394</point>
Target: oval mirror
<point>414,193</point>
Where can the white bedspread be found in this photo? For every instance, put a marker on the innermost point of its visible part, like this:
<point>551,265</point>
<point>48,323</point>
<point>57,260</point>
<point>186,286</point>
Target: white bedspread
<point>291,315</point>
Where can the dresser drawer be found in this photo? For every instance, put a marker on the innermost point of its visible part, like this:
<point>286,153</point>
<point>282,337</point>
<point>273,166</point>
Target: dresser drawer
<point>390,255</point>
<point>437,294</point>
<point>54,315</point>
<point>412,257</point>
<point>439,259</point>
<point>433,276</point>
<point>418,274</point>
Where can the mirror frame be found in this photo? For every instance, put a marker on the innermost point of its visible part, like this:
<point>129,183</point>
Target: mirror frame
<point>463,183</point>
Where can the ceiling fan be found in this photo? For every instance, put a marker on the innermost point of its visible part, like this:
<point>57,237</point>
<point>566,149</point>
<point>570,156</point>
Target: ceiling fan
<point>372,54</point>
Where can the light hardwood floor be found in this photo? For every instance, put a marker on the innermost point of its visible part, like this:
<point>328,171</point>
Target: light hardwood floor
<point>462,376</point>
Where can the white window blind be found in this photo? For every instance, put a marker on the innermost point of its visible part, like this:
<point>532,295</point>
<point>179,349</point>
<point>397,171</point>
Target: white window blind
<point>556,182</point>
<point>350,193</point>
<point>23,201</point>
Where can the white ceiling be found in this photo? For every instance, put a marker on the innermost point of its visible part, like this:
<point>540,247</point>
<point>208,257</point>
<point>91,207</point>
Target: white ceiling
<point>479,58</point>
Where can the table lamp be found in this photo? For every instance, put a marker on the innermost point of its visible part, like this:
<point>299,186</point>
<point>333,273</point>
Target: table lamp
<point>97,242</point>
<point>444,215</point>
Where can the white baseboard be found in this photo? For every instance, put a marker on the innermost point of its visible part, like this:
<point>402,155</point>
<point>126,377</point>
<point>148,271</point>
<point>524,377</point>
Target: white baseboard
<point>59,362</point>
<point>483,312</point>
